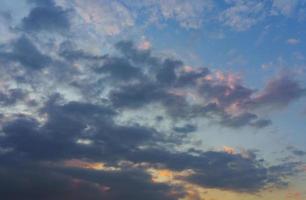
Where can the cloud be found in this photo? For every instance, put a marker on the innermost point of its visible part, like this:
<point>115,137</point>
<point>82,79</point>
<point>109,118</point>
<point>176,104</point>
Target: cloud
<point>87,105</point>
<point>242,15</point>
<point>72,183</point>
<point>279,92</point>
<point>167,82</point>
<point>105,17</point>
<point>119,69</point>
<point>284,7</point>
<point>244,119</point>
<point>189,15</point>
<point>11,96</point>
<point>293,41</point>
<point>137,95</point>
<point>221,170</point>
<point>5,29</point>
<point>183,92</point>
<point>26,53</point>
<point>70,52</point>
<point>295,151</point>
<point>56,139</point>
<point>188,128</point>
<point>137,55</point>
<point>46,16</point>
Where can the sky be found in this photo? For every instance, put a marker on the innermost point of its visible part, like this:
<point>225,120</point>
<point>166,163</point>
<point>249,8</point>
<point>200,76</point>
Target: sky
<point>152,99</point>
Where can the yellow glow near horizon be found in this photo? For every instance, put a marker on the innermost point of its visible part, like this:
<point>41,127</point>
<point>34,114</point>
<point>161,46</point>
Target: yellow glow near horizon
<point>196,192</point>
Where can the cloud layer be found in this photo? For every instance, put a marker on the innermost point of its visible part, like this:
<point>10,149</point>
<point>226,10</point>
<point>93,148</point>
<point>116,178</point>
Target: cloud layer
<point>68,118</point>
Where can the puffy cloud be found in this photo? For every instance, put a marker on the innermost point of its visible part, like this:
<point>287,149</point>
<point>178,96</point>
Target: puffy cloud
<point>72,183</point>
<point>279,92</point>
<point>119,69</point>
<point>105,17</point>
<point>26,53</point>
<point>55,139</point>
<point>221,170</point>
<point>186,92</point>
<point>46,16</point>
<point>11,96</point>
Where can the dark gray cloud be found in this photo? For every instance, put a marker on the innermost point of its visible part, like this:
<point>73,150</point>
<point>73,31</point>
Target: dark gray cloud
<point>11,97</point>
<point>279,92</point>
<point>46,16</point>
<point>299,153</point>
<point>125,183</point>
<point>238,121</point>
<point>70,52</point>
<point>244,119</point>
<point>190,78</point>
<point>34,182</point>
<point>119,69</point>
<point>221,170</point>
<point>166,73</point>
<point>160,78</point>
<point>187,128</point>
<point>57,138</point>
<point>128,49</point>
<point>225,94</point>
<point>261,123</point>
<point>26,53</point>
<point>137,95</point>
<point>295,151</point>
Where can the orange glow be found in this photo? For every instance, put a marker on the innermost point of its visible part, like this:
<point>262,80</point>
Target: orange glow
<point>169,176</point>
<point>208,78</point>
<point>234,108</point>
<point>229,150</point>
<point>84,164</point>
<point>196,192</point>
<point>163,176</point>
<point>229,79</point>
<point>293,195</point>
<point>188,69</point>
<point>304,168</point>
<point>144,45</point>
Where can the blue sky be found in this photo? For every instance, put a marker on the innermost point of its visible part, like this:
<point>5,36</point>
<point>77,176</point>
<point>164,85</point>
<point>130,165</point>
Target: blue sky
<point>131,99</point>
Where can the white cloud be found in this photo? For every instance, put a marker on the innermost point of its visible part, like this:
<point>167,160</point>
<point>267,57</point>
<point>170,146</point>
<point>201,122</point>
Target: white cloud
<point>188,14</point>
<point>284,7</point>
<point>242,15</point>
<point>293,41</point>
<point>112,17</point>
<point>104,16</point>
